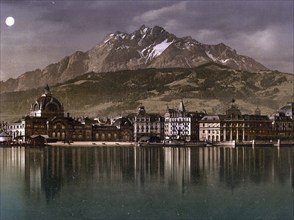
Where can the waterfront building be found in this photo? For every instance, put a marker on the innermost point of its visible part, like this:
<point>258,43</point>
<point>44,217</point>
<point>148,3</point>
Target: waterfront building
<point>257,127</point>
<point>233,124</point>
<point>283,122</point>
<point>16,130</point>
<point>47,106</point>
<point>120,130</point>
<point>181,125</point>
<point>246,127</point>
<point>211,128</point>
<point>47,119</point>
<point>282,126</point>
<point>148,125</point>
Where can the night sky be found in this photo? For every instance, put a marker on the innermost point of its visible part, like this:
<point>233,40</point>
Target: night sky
<point>46,31</point>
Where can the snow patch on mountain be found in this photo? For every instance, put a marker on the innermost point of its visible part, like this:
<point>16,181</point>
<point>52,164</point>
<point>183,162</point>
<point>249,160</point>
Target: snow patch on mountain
<point>159,48</point>
<point>224,61</point>
<point>211,56</point>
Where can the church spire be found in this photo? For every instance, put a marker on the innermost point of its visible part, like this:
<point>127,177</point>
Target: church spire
<point>181,106</point>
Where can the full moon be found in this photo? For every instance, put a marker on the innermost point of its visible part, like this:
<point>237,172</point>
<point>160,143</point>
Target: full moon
<point>9,21</point>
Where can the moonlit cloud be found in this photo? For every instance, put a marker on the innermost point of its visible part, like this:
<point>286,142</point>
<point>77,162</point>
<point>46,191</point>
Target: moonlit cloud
<point>264,41</point>
<point>161,13</point>
<point>45,32</point>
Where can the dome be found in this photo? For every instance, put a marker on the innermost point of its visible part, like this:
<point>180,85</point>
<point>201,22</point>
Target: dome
<point>141,110</point>
<point>287,110</point>
<point>47,105</point>
<point>121,122</point>
<point>233,112</point>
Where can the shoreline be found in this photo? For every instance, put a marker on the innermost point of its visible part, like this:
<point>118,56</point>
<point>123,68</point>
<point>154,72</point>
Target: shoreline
<point>91,144</point>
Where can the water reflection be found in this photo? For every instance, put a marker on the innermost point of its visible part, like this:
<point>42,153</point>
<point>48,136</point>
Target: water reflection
<point>50,169</point>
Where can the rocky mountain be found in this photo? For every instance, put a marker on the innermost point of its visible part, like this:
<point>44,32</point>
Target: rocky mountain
<point>210,87</point>
<point>144,48</point>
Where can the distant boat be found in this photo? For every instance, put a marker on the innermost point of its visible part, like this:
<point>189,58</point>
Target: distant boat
<point>222,143</point>
<point>171,144</point>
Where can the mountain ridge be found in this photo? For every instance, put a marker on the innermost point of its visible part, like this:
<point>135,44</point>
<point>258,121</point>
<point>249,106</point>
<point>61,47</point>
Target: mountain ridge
<point>144,48</point>
<point>209,86</point>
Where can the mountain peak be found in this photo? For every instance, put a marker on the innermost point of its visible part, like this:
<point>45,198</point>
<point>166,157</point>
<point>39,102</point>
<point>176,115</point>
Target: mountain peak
<point>143,28</point>
<point>144,48</point>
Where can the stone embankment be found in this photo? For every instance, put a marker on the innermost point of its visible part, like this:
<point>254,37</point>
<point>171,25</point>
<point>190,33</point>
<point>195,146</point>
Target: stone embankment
<point>91,144</point>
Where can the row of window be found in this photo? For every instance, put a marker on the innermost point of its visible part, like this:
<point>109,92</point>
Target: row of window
<point>147,130</point>
<point>178,132</point>
<point>102,136</point>
<point>151,127</point>
<point>146,119</point>
<point>249,131</point>
<point>16,134</point>
<point>15,126</point>
<point>284,125</point>
<point>210,125</point>
<point>188,120</point>
<point>211,131</point>
<point>108,135</point>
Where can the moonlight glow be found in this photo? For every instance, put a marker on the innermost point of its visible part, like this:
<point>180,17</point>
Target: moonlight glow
<point>9,21</point>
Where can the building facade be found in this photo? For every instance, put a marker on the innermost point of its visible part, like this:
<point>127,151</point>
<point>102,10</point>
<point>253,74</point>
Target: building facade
<point>47,118</point>
<point>211,128</point>
<point>233,126</point>
<point>181,125</point>
<point>148,125</point>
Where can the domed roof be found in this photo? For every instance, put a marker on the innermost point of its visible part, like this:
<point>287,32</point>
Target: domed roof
<point>141,110</point>
<point>287,109</point>
<point>47,102</point>
<point>120,122</point>
<point>47,105</point>
<point>233,112</point>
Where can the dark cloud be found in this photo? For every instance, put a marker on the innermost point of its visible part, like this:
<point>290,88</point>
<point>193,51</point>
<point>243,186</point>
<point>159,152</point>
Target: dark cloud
<point>46,31</point>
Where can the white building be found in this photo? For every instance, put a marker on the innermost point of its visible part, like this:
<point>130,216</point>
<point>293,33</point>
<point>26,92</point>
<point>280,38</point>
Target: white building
<point>17,130</point>
<point>210,128</point>
<point>181,125</point>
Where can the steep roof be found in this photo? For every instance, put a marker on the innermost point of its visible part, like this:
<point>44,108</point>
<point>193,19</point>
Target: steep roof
<point>182,107</point>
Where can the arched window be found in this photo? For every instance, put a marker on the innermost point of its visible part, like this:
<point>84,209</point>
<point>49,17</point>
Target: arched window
<point>36,107</point>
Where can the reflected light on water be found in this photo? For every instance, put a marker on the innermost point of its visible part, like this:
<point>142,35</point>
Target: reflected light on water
<point>37,177</point>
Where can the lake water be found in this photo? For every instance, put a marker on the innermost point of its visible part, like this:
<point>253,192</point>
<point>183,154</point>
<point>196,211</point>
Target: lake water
<point>146,183</point>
